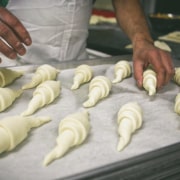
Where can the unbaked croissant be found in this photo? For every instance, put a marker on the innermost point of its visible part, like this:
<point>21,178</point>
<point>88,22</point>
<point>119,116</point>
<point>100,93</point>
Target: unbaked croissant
<point>7,76</point>
<point>43,73</point>
<point>44,94</point>
<point>7,97</point>
<point>73,131</point>
<point>83,74</point>
<point>162,45</point>
<point>176,77</point>
<point>177,104</point>
<point>150,81</point>
<point>122,69</point>
<point>14,129</point>
<point>99,88</point>
<point>129,120</point>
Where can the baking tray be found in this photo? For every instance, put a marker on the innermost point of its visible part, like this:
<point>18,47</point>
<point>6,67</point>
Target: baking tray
<point>152,154</point>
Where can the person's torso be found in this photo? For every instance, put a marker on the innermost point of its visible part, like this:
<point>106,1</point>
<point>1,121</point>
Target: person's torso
<point>58,28</point>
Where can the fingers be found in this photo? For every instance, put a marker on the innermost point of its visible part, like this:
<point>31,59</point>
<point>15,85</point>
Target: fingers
<point>138,72</point>
<point>7,51</point>
<point>13,35</point>
<point>163,66</point>
<point>161,62</point>
<point>168,66</point>
<point>7,18</point>
<point>9,37</point>
<point>159,69</point>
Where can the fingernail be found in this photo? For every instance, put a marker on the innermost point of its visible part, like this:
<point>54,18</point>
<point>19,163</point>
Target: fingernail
<point>22,51</point>
<point>27,41</point>
<point>159,87</point>
<point>12,56</point>
<point>139,83</point>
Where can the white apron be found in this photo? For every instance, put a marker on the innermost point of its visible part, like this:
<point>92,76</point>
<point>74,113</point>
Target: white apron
<point>58,28</point>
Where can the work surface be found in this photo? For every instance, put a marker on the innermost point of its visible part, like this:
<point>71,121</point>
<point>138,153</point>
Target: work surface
<point>160,125</point>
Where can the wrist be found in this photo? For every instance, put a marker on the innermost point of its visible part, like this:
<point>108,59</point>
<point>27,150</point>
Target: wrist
<point>142,41</point>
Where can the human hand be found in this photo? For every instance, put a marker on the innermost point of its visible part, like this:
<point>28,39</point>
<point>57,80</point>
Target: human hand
<point>145,53</point>
<point>13,35</point>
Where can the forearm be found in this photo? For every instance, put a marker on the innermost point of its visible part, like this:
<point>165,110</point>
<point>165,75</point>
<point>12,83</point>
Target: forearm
<point>131,19</point>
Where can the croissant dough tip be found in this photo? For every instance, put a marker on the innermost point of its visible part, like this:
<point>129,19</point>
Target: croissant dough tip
<point>116,80</point>
<point>121,145</point>
<point>150,81</point>
<point>75,85</point>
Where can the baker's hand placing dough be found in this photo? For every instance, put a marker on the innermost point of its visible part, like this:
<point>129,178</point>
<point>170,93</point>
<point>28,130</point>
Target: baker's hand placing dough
<point>146,53</point>
<point>131,17</point>
<point>13,35</point>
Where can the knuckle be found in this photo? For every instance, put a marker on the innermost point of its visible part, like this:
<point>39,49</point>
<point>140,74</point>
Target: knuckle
<point>7,51</point>
<point>18,26</point>
<point>23,31</point>
<point>15,22</point>
<point>161,70</point>
<point>4,30</point>
<point>2,11</point>
<point>154,55</point>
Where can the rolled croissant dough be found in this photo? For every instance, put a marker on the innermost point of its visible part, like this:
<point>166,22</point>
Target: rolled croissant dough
<point>14,129</point>
<point>73,131</point>
<point>8,76</point>
<point>83,74</point>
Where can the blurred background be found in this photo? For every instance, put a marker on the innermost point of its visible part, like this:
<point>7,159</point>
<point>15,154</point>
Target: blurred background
<point>106,36</point>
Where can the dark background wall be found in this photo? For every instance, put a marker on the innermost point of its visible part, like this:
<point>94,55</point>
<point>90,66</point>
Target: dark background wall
<point>167,6</point>
<point>150,6</point>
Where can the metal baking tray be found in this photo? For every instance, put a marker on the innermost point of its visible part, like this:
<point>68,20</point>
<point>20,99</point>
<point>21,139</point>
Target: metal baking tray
<point>154,151</point>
